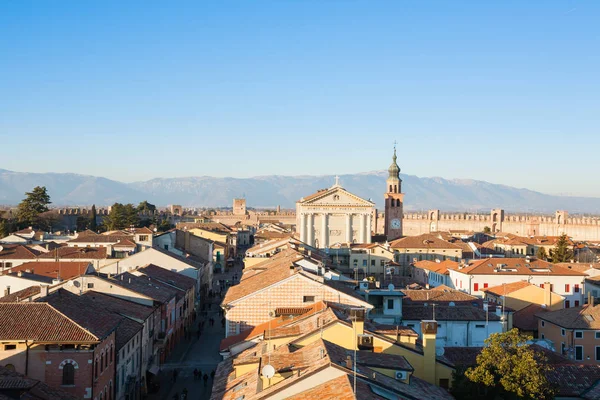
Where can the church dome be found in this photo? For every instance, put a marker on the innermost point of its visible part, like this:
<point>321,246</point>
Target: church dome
<point>394,169</point>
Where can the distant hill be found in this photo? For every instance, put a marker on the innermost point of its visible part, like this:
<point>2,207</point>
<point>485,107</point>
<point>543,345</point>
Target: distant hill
<point>270,191</point>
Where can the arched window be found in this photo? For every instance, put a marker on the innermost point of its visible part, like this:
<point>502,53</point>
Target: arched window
<point>101,396</point>
<point>68,377</point>
<point>395,188</point>
<point>96,369</point>
<point>111,353</point>
<point>390,188</point>
<point>109,394</point>
<point>102,362</point>
<point>398,203</point>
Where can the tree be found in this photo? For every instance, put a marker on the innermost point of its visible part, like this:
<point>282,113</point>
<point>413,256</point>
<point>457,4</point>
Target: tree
<point>512,368</point>
<point>121,217</point>
<point>541,253</point>
<point>34,203</point>
<point>4,229</point>
<point>48,220</point>
<point>487,230</point>
<point>93,226</point>
<point>561,251</point>
<point>145,206</point>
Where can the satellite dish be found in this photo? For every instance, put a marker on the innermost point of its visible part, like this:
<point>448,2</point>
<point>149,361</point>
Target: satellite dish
<point>268,371</point>
<point>439,351</point>
<point>1,248</point>
<point>75,283</point>
<point>391,286</point>
<point>365,280</point>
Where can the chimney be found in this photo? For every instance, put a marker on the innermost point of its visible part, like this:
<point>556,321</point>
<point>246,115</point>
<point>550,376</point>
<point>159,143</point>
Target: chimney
<point>590,298</point>
<point>44,290</point>
<point>349,362</point>
<point>548,294</point>
<point>429,331</point>
<point>357,315</point>
<point>7,291</point>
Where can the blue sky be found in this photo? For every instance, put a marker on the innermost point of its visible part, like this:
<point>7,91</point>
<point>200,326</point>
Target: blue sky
<point>503,91</point>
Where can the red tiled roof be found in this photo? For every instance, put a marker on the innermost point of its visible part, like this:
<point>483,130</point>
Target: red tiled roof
<point>169,277</point>
<point>586,317</point>
<point>17,252</point>
<point>21,294</point>
<point>517,266</point>
<point>53,269</point>
<point>507,288</point>
<point>441,267</point>
<point>41,322</point>
<point>525,319</point>
<point>426,241</point>
<point>91,253</point>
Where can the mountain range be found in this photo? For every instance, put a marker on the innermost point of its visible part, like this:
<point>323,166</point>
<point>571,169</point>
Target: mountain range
<point>68,189</point>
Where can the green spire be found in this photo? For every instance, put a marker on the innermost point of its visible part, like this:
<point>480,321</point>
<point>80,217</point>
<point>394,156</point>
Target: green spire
<point>394,169</point>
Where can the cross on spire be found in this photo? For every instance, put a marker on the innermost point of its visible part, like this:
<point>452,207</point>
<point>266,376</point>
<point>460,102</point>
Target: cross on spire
<point>337,180</point>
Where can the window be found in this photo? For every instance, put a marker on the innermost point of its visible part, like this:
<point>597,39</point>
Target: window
<point>90,285</point>
<point>597,335</point>
<point>410,325</point>
<point>597,353</point>
<point>364,263</point>
<point>476,287</point>
<point>479,326</point>
<point>111,353</point>
<point>166,246</point>
<point>308,299</point>
<point>485,285</point>
<point>96,369</point>
<point>102,362</point>
<point>578,334</point>
<point>567,304</point>
<point>579,353</point>
<point>543,323</point>
<point>576,288</point>
<point>143,238</point>
<point>10,347</point>
<point>68,377</point>
<point>542,285</point>
<point>576,303</point>
<point>445,383</point>
<point>372,263</point>
<point>563,348</point>
<point>390,304</point>
<point>567,288</point>
<point>8,265</point>
<point>543,336</point>
<point>562,332</point>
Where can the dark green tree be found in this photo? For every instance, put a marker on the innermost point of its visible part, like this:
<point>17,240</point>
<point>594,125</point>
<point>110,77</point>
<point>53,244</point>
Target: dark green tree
<point>35,203</point>
<point>145,206</point>
<point>121,217</point>
<point>93,226</point>
<point>511,368</point>
<point>541,253</point>
<point>487,230</point>
<point>4,228</point>
<point>562,251</point>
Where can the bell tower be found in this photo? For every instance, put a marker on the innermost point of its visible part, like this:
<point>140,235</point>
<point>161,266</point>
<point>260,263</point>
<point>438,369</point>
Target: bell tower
<point>393,201</point>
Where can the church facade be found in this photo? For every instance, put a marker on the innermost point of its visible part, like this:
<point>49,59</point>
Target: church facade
<point>334,216</point>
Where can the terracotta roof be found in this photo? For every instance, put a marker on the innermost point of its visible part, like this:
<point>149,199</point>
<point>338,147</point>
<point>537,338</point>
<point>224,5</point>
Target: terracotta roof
<point>341,388</point>
<point>586,317</point>
<point>467,356</point>
<point>84,311</point>
<point>426,241</point>
<point>125,243</point>
<point>53,269</point>
<point>441,267</point>
<point>517,266</point>
<point>86,253</point>
<point>576,380</point>
<point>525,319</point>
<point>446,313</point>
<point>260,281</point>
<point>126,330</point>
<point>28,388</point>
<point>119,305</point>
<point>147,286</point>
<point>18,252</point>
<point>40,322</point>
<point>580,267</point>
<point>21,294</point>
<point>437,296</point>
<point>507,288</point>
<point>398,330</point>
<point>169,277</point>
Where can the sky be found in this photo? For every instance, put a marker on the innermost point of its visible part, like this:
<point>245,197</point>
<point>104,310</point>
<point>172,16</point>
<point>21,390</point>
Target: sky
<point>502,91</point>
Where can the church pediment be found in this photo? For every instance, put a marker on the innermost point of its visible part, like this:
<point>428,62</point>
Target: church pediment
<point>336,197</point>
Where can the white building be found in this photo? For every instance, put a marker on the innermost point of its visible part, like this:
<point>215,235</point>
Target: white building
<point>490,272</point>
<point>334,215</point>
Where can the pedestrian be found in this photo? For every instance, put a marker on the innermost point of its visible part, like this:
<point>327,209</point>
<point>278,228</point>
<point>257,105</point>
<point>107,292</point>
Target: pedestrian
<point>174,375</point>
<point>212,374</point>
<point>205,378</point>
<point>195,373</point>
<point>223,323</point>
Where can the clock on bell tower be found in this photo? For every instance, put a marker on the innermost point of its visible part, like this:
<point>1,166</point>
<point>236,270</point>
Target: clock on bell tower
<point>393,202</point>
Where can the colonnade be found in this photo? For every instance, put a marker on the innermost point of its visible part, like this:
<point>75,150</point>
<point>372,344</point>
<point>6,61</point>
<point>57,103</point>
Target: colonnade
<point>307,228</point>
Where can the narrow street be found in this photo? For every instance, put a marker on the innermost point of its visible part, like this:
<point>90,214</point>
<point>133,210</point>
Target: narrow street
<point>201,354</point>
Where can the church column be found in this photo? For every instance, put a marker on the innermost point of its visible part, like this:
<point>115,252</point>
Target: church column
<point>368,228</point>
<point>311,229</point>
<point>349,228</point>
<point>324,231</point>
<point>303,227</point>
<point>361,232</point>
